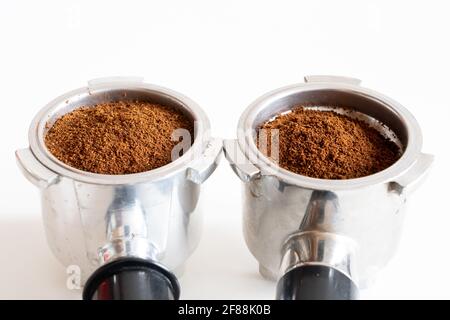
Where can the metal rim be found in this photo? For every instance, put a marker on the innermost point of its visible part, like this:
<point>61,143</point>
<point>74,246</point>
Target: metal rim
<point>37,145</point>
<point>268,167</point>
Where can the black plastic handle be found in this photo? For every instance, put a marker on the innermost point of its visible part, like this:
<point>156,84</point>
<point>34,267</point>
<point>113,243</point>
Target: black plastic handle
<point>131,279</point>
<point>316,282</point>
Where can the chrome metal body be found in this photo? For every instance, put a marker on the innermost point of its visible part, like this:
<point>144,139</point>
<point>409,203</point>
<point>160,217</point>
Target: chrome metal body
<point>91,219</point>
<point>352,225</point>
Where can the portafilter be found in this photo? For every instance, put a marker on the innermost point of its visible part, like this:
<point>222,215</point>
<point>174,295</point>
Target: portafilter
<point>320,238</point>
<point>130,234</point>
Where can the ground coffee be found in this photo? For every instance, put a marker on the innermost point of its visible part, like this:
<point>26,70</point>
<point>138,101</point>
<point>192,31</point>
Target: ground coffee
<point>328,145</point>
<point>117,137</point>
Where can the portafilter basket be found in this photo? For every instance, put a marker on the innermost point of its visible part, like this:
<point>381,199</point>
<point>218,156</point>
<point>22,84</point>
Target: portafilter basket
<point>324,239</point>
<point>130,233</point>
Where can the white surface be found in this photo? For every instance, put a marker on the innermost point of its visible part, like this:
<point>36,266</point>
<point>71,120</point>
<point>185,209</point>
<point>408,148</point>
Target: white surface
<point>225,54</point>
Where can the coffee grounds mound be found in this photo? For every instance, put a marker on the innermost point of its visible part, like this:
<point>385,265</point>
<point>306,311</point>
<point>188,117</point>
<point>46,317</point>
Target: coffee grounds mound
<point>120,137</point>
<point>328,145</point>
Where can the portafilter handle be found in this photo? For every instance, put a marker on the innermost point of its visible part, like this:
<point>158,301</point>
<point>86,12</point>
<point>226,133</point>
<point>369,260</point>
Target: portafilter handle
<point>317,264</point>
<point>316,282</point>
<point>131,279</point>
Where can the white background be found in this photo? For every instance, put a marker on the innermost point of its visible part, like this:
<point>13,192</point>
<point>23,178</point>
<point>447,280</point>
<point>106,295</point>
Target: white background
<point>224,54</point>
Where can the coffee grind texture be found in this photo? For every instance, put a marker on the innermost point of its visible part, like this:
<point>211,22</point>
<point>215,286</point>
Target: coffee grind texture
<point>328,145</point>
<point>120,137</point>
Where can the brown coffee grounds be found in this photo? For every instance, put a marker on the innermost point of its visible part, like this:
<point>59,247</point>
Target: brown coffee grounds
<point>328,145</point>
<point>117,137</point>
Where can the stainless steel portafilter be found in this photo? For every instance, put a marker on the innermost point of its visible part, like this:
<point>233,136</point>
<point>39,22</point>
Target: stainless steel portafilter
<point>130,234</point>
<point>324,239</point>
